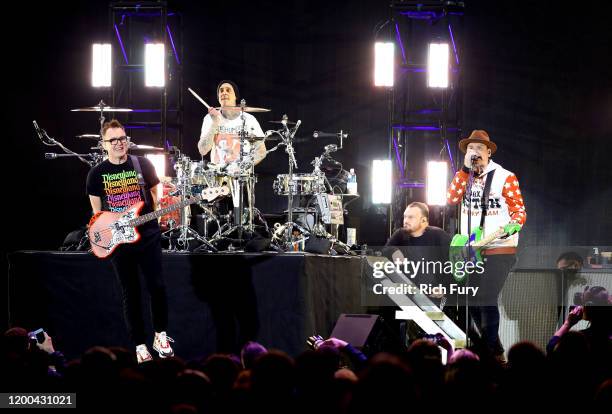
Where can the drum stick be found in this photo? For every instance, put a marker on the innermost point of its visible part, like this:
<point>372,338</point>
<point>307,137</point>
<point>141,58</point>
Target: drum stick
<point>198,98</point>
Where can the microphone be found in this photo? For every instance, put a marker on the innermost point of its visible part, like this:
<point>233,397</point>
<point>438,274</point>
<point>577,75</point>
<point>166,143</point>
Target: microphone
<point>473,159</point>
<point>53,155</point>
<point>321,134</point>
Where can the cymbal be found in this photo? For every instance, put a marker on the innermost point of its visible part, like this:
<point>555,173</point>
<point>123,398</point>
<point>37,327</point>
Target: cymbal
<point>145,147</point>
<point>89,136</point>
<point>268,138</point>
<point>100,109</point>
<point>239,108</point>
<point>138,147</point>
<point>280,122</point>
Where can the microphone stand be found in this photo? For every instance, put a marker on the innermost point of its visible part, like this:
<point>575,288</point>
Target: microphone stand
<point>42,135</point>
<point>292,162</point>
<point>469,248</point>
<point>53,155</point>
<point>242,134</point>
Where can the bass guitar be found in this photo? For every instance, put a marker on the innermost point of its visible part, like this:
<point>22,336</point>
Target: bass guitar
<point>107,230</point>
<point>468,249</point>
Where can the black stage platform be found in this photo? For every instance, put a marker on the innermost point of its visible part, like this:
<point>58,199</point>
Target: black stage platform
<point>277,299</point>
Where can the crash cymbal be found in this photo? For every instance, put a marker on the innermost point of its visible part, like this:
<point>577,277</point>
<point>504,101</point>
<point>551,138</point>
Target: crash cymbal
<point>89,136</point>
<point>100,108</point>
<point>144,147</point>
<point>239,108</point>
<point>280,122</point>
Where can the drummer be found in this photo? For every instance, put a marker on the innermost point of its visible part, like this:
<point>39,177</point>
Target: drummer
<point>220,130</point>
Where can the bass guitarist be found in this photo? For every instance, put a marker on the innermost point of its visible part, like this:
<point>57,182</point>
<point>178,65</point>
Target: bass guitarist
<point>492,200</point>
<point>114,185</point>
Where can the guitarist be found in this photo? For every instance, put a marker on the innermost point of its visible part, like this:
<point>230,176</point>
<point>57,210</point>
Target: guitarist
<point>114,185</point>
<point>494,201</point>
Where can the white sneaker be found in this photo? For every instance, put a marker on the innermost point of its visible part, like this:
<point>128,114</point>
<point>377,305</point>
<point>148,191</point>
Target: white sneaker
<point>142,354</point>
<point>161,344</point>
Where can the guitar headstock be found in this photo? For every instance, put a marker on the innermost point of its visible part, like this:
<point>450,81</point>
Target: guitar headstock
<point>209,194</point>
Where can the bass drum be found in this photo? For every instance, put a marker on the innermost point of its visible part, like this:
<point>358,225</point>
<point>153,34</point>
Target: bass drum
<point>298,184</point>
<point>173,219</point>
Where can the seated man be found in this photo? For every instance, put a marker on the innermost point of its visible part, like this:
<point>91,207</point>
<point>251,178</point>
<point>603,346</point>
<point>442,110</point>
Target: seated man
<point>417,241</point>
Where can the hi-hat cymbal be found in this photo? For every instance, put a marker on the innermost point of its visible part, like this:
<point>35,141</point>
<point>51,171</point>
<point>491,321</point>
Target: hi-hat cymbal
<point>89,136</point>
<point>99,108</point>
<point>268,138</point>
<point>245,109</point>
<point>280,122</point>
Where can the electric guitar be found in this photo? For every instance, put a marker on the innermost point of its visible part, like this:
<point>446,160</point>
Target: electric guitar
<point>107,230</point>
<point>461,252</point>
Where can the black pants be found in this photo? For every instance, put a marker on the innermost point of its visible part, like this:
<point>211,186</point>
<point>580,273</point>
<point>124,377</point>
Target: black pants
<point>126,260</point>
<point>484,310</point>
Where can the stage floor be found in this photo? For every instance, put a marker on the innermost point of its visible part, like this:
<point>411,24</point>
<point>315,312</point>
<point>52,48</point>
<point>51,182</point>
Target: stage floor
<point>278,299</point>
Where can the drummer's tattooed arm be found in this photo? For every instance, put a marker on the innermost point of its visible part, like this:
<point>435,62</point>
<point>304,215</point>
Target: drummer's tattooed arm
<point>260,153</point>
<point>205,143</point>
<point>210,127</point>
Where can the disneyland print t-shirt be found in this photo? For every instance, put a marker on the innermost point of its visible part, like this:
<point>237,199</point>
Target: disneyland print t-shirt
<point>117,186</point>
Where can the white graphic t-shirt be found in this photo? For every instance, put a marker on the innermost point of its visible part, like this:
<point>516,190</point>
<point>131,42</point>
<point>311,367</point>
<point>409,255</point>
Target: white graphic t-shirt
<point>226,143</point>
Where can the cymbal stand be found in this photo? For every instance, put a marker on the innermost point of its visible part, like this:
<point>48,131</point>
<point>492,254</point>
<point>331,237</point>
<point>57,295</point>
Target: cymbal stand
<point>318,161</point>
<point>283,234</point>
<point>101,105</point>
<point>186,233</point>
<point>245,175</point>
<point>319,228</point>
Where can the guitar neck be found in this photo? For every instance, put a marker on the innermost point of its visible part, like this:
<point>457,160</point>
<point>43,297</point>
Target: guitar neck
<point>158,213</point>
<point>495,235</point>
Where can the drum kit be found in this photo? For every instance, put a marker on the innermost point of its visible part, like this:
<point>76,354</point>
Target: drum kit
<point>233,228</point>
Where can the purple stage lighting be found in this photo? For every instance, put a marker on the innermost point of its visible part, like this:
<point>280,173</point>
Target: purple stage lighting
<point>397,157</point>
<point>399,40</point>
<point>450,156</point>
<point>450,31</point>
<point>121,44</point>
<point>172,43</point>
<point>420,128</point>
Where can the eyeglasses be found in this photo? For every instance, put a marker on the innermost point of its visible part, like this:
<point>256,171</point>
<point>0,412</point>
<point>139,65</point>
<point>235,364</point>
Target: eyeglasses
<point>117,140</point>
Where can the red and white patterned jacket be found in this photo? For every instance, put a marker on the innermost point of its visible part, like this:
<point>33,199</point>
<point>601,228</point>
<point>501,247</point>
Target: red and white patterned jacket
<point>505,204</point>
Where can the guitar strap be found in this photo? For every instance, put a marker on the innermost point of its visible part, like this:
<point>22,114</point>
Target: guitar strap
<point>484,202</point>
<point>141,181</point>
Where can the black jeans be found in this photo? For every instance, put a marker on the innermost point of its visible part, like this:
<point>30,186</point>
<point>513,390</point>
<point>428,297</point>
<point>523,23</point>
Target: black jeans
<point>484,310</point>
<point>126,260</point>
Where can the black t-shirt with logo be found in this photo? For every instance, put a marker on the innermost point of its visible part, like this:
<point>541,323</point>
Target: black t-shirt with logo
<point>117,186</point>
<point>431,246</point>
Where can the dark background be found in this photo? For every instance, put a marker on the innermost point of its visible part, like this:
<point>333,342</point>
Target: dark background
<point>536,77</point>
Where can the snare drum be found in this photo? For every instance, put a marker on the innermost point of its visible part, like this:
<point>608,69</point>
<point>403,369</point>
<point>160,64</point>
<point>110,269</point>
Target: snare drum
<point>298,184</point>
